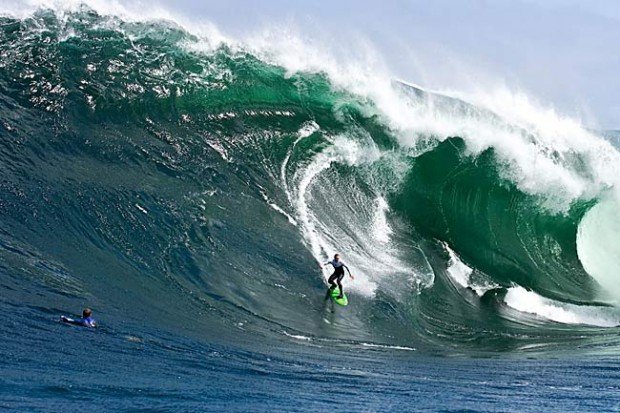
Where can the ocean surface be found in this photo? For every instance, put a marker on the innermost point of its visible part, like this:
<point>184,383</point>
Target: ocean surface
<point>185,187</point>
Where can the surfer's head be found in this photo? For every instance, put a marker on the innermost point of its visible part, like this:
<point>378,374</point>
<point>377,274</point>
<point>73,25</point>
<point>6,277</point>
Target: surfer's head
<point>87,312</point>
<point>337,257</point>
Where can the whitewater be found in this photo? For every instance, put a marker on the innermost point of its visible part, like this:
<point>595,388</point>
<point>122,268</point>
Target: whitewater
<point>185,184</point>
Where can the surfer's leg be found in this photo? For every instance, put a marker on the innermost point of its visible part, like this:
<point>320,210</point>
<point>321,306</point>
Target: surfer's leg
<point>332,285</point>
<point>332,281</point>
<point>339,281</point>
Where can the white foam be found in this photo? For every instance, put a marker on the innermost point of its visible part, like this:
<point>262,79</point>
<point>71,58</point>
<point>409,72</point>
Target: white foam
<point>283,212</point>
<point>380,225</point>
<point>461,274</point>
<point>529,302</point>
<point>297,336</point>
<point>387,346</point>
<point>141,208</point>
<point>307,129</point>
<point>458,271</point>
<point>276,207</point>
<point>130,11</point>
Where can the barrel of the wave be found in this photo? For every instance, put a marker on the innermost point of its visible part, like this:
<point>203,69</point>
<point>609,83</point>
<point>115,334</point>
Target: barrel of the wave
<point>598,246</point>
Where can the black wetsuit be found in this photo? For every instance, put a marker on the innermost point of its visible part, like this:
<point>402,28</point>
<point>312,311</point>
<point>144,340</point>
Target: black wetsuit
<point>336,278</point>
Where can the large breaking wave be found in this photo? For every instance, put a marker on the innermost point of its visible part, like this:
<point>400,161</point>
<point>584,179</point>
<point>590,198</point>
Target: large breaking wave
<point>145,165</point>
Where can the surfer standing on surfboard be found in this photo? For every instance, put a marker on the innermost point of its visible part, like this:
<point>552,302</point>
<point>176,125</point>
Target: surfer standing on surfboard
<point>336,278</point>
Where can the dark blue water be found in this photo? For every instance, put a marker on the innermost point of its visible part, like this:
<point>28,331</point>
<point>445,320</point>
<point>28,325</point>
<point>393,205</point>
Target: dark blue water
<point>60,369</point>
<point>50,367</point>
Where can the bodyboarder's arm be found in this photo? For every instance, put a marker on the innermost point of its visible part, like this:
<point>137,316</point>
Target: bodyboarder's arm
<point>78,322</point>
<point>71,321</point>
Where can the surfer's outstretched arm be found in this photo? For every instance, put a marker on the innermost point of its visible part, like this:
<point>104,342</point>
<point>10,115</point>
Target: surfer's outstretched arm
<point>350,275</point>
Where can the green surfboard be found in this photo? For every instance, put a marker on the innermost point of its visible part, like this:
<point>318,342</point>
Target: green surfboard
<point>340,301</point>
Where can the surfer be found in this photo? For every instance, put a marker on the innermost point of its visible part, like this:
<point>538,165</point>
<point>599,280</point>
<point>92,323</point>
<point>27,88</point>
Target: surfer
<point>336,278</point>
<point>86,320</point>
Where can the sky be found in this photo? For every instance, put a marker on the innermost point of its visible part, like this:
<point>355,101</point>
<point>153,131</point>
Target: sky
<point>564,54</point>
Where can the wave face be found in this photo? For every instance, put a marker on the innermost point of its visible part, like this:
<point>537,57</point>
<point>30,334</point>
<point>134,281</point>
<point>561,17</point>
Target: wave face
<point>145,167</point>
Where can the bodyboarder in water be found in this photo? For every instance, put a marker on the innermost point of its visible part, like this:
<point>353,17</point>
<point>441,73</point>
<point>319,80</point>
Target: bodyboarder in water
<point>335,280</point>
<point>86,320</point>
